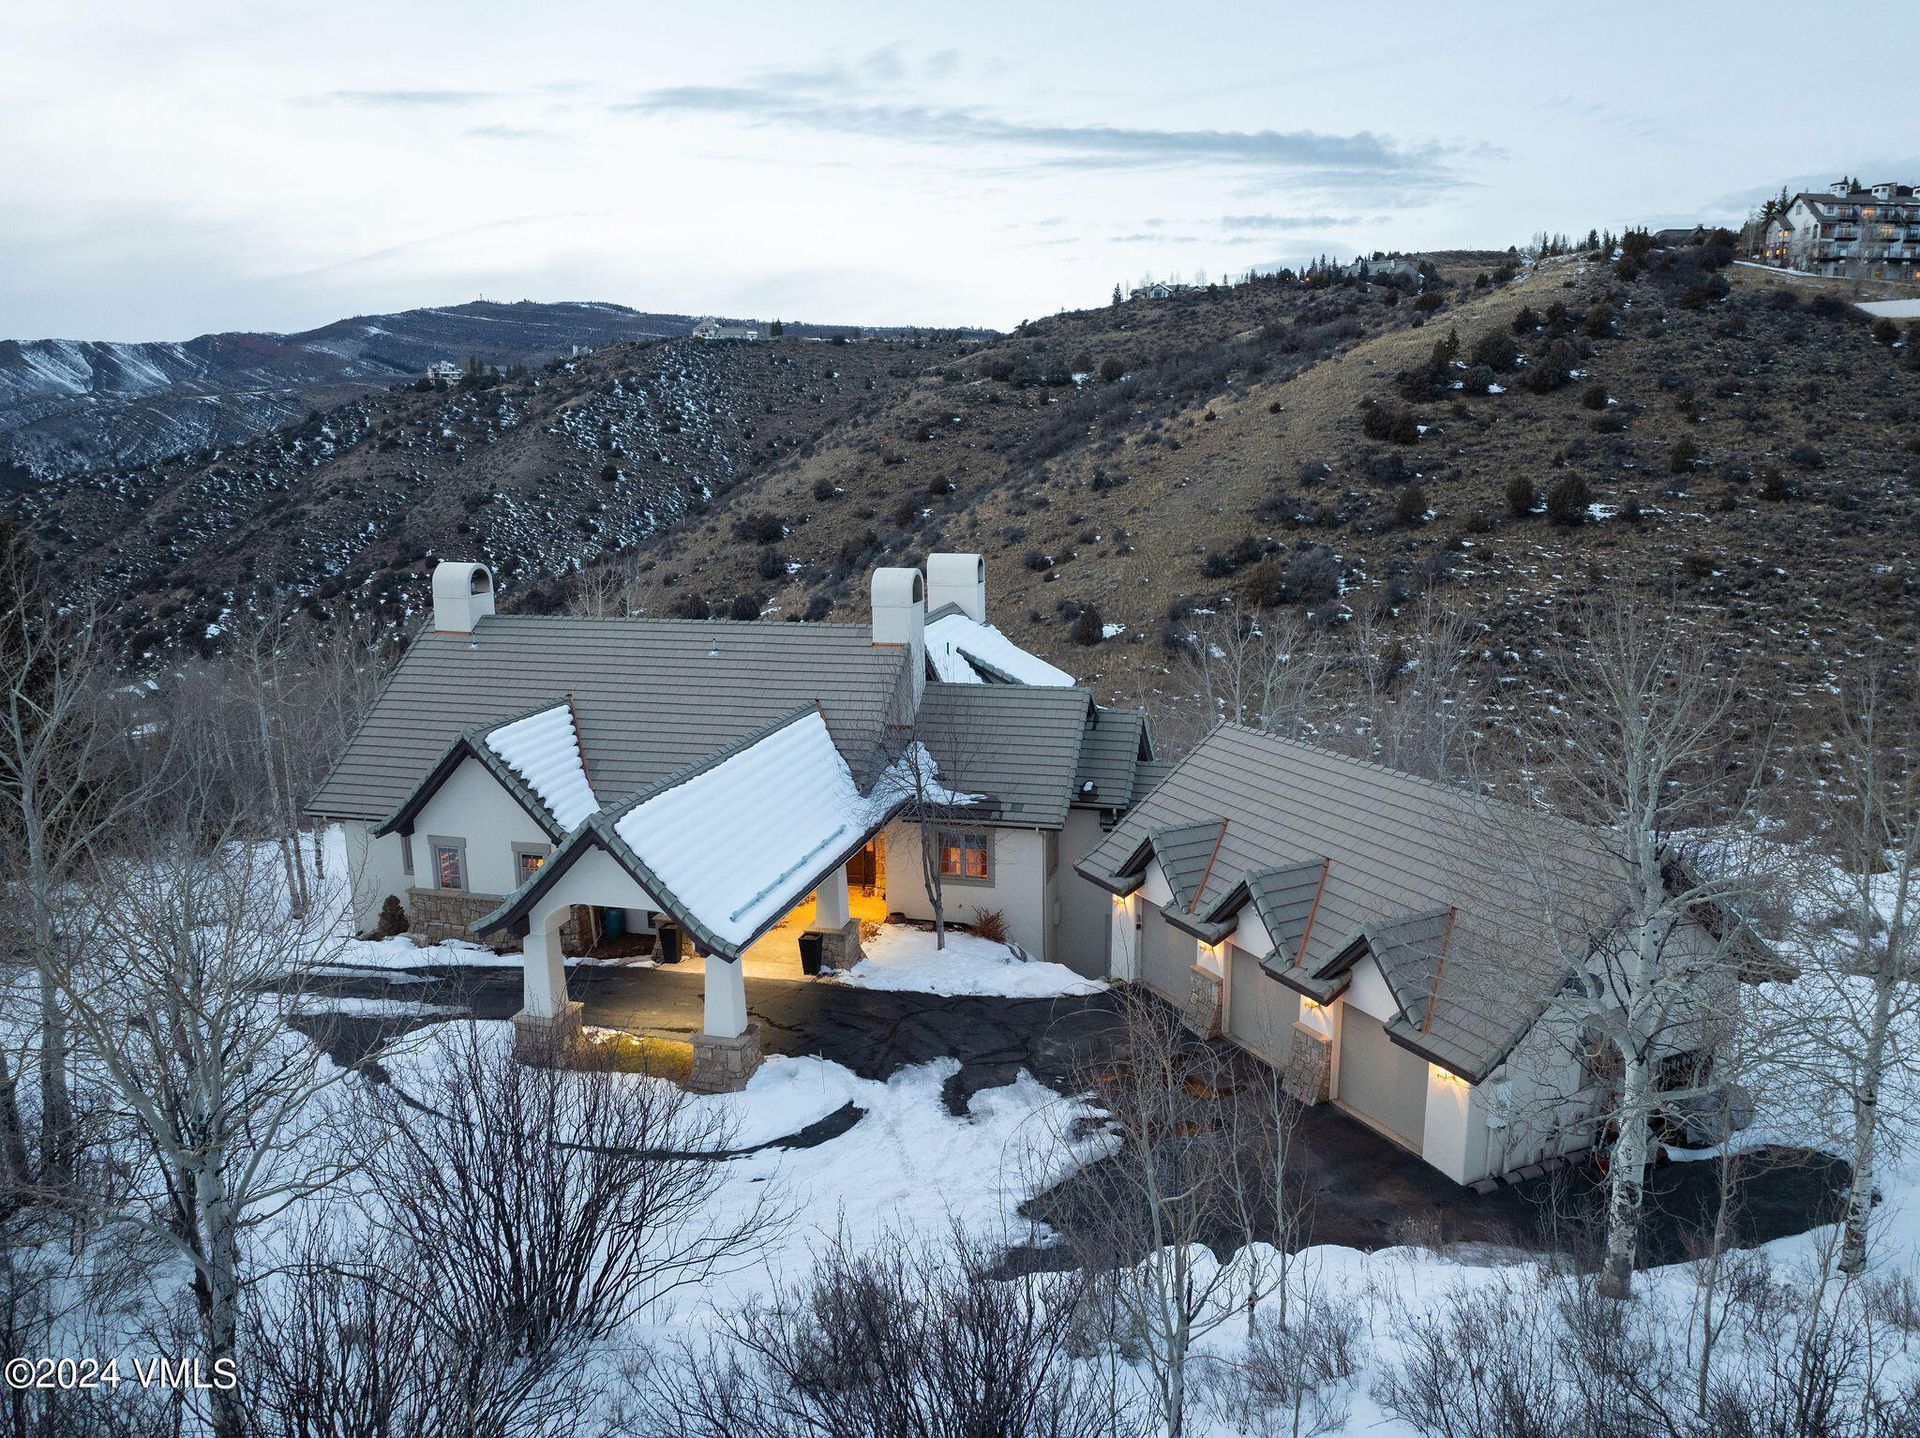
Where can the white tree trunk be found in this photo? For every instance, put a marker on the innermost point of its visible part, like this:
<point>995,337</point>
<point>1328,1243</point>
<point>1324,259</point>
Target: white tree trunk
<point>1866,1123</point>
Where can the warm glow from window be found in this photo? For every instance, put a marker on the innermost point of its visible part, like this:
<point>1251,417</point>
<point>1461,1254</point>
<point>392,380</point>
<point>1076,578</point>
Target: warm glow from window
<point>963,856</point>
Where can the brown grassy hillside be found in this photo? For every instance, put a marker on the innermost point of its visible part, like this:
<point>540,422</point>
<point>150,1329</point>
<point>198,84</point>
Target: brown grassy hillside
<point>1770,449</point>
<point>1747,447</point>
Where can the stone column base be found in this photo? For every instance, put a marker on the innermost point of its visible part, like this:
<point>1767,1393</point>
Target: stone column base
<point>1309,1075</point>
<point>548,1042</point>
<point>723,1065</point>
<point>840,948</point>
<point>1202,1011</point>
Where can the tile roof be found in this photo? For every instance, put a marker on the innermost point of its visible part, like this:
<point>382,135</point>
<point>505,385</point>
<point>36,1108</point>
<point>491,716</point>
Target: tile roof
<point>962,650</point>
<point>1019,745</point>
<point>544,750</point>
<point>729,844</point>
<point>650,696</point>
<point>1110,756</point>
<point>1398,851</point>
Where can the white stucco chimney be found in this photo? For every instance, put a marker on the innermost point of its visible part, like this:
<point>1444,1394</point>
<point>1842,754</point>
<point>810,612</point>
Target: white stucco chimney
<point>462,596</point>
<point>958,579</point>
<point>900,617</point>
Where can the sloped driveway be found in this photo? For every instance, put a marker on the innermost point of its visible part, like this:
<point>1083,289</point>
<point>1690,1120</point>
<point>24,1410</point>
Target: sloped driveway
<point>1364,1191</point>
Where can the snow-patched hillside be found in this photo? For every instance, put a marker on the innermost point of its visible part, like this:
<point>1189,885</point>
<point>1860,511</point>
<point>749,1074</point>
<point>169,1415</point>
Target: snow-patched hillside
<point>72,405</point>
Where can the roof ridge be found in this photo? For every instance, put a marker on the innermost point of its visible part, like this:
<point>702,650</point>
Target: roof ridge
<point>1452,788</point>
<point>481,730</point>
<point>611,813</point>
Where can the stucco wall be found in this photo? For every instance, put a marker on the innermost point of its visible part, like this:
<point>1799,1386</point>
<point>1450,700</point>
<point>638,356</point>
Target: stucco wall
<point>375,869</point>
<point>1084,907</point>
<point>1123,939</point>
<point>1018,887</point>
<point>471,805</point>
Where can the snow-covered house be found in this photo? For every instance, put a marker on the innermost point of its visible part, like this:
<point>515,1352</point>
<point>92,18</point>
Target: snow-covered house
<point>1358,928</point>
<point>555,783</point>
<point>446,371</point>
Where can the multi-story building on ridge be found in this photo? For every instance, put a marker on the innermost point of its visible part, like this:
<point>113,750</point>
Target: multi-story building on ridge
<point>1845,231</point>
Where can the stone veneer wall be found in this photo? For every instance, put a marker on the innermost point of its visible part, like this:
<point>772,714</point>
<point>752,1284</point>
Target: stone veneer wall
<point>723,1065</point>
<point>1202,1013</point>
<point>441,914</point>
<point>1309,1076</point>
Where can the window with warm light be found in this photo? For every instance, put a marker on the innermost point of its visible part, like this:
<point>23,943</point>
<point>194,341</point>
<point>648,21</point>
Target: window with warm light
<point>450,865</point>
<point>966,856</point>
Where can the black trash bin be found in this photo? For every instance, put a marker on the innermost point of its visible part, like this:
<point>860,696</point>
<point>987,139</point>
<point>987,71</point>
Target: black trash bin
<point>810,953</point>
<point>669,949</point>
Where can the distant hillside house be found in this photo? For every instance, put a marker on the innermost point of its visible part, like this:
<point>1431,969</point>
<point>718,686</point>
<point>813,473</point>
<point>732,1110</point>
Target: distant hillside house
<point>446,371</point>
<point>1158,290</point>
<point>1871,233</point>
<point>1383,268</point>
<point>711,329</point>
<point>610,787</point>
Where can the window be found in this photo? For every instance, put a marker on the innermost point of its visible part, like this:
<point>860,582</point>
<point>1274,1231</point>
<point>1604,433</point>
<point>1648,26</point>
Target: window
<point>967,857</point>
<point>449,862</point>
<point>527,859</point>
<point>406,854</point>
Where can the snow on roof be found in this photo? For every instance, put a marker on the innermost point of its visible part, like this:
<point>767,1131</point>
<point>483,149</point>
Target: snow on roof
<point>965,651</point>
<point>544,750</point>
<point>741,842</point>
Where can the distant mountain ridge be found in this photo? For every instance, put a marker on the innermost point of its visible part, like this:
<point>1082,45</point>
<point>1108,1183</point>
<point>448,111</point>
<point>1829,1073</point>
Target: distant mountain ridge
<point>73,405</point>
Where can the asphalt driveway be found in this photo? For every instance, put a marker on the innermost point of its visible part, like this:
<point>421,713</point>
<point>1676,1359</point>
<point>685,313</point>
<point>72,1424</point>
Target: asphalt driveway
<point>1362,1190</point>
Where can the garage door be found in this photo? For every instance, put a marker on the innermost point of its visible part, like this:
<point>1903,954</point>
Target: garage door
<point>1260,1009</point>
<point>1380,1080</point>
<point>1166,957</point>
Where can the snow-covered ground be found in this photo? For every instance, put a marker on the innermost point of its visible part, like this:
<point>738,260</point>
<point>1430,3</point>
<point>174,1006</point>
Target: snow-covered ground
<point>1893,309</point>
<point>911,1170</point>
<point>904,957</point>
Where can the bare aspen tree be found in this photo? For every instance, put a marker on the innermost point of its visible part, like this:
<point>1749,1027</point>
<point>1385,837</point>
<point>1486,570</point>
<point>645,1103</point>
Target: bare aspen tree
<point>1185,1176</point>
<point>62,737</point>
<point>1415,693</point>
<point>1862,931</point>
<point>1641,915</point>
<point>180,1002</point>
<point>1264,670</point>
<point>935,801</point>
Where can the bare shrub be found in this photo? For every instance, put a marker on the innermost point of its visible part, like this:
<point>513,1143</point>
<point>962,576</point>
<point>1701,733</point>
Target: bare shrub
<point>1484,1364</point>
<point>551,1206</point>
<point>1293,1379</point>
<point>895,1341</point>
<point>351,1342</point>
<point>990,924</point>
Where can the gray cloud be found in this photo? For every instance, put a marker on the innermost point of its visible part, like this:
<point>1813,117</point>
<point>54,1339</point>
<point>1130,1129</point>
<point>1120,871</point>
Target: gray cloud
<point>1361,153</point>
<point>1284,222</point>
<point>409,98</point>
<point>508,132</point>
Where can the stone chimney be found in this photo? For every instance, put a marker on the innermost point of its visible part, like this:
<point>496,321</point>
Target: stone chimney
<point>900,617</point>
<point>959,579</point>
<point>462,596</point>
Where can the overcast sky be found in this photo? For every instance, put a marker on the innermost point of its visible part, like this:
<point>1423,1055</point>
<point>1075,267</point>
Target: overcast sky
<point>178,166</point>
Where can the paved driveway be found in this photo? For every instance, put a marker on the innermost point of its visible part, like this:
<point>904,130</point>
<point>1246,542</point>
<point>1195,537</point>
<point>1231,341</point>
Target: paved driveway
<point>872,1032</point>
<point>1365,1192</point>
